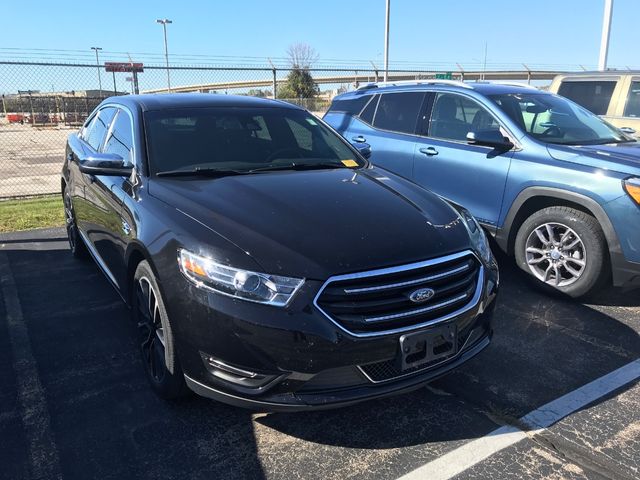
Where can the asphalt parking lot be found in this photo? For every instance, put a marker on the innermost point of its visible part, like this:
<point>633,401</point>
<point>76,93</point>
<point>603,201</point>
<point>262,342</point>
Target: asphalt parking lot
<point>74,402</point>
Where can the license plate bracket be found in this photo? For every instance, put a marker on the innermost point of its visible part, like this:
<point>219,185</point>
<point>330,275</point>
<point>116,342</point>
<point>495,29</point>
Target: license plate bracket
<point>423,347</point>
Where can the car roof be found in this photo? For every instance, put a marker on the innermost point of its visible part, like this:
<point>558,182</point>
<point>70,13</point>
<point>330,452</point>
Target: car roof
<point>601,73</point>
<point>484,88</point>
<point>161,101</point>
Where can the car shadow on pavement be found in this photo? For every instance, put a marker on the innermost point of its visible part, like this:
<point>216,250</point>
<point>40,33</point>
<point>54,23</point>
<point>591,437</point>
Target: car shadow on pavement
<point>104,417</point>
<point>107,423</point>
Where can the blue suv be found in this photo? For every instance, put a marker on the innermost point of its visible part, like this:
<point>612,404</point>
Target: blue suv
<point>556,186</point>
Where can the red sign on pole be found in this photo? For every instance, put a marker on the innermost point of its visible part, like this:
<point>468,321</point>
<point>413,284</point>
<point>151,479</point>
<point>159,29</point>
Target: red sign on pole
<point>128,67</point>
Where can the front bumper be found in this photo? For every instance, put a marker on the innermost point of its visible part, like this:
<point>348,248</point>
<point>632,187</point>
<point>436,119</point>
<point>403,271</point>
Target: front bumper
<point>311,363</point>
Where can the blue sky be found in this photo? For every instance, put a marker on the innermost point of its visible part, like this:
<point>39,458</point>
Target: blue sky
<point>544,32</point>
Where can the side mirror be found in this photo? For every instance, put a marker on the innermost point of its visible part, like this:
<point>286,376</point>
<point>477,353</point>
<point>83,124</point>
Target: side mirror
<point>108,164</point>
<point>628,130</point>
<point>489,138</point>
<point>363,148</point>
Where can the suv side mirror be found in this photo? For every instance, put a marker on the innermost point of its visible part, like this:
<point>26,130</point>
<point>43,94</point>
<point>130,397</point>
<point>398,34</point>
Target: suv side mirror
<point>628,130</point>
<point>108,164</point>
<point>489,138</point>
<point>363,148</point>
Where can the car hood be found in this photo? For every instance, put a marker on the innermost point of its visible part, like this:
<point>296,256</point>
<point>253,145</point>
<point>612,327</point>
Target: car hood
<point>622,157</point>
<point>315,224</point>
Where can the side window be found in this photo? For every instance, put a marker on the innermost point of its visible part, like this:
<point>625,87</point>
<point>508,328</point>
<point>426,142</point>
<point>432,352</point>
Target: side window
<point>592,95</point>
<point>454,116</point>
<point>632,109</point>
<point>367,113</point>
<point>87,127</point>
<point>120,139</point>
<point>398,112</point>
<point>96,131</point>
<point>350,106</point>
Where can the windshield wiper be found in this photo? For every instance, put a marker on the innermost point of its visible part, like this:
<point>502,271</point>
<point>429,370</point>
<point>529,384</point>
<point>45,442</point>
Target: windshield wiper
<point>299,166</point>
<point>203,172</point>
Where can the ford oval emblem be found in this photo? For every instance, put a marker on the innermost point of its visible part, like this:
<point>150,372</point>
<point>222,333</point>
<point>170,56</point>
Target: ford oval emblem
<point>421,295</point>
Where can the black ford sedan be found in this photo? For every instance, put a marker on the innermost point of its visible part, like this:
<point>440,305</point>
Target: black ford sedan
<point>265,261</point>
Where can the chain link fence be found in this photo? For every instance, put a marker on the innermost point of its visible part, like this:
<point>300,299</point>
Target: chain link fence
<point>42,103</point>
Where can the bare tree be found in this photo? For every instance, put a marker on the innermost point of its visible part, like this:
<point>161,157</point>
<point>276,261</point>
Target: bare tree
<point>301,55</point>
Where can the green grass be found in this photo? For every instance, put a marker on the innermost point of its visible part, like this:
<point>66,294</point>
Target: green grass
<point>31,213</point>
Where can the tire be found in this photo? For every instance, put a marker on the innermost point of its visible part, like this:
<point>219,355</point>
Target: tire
<point>155,336</point>
<point>575,262</point>
<point>76,244</point>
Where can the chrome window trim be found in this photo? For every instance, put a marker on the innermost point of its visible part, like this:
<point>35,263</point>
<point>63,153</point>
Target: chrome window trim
<point>403,268</point>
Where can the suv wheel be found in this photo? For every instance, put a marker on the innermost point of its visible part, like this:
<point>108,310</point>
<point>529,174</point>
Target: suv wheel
<point>565,249</point>
<point>155,336</point>
<point>76,244</point>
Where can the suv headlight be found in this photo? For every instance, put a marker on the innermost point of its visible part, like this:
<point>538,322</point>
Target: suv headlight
<point>235,282</point>
<point>632,187</point>
<point>478,237</point>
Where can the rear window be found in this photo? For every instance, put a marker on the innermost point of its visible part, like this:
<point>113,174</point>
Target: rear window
<point>632,109</point>
<point>593,95</point>
<point>398,112</point>
<point>351,105</point>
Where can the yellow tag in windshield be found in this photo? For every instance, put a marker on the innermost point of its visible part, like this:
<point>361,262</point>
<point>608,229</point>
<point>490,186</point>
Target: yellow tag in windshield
<point>349,163</point>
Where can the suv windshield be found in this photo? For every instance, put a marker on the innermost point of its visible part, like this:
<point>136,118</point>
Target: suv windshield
<point>241,140</point>
<point>554,119</point>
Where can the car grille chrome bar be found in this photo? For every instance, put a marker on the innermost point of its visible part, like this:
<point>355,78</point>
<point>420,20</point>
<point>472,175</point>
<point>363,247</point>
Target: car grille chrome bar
<point>383,301</point>
<point>430,278</point>
<point>411,313</point>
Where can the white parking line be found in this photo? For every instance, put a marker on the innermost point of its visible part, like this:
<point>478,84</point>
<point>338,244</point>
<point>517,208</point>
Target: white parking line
<point>472,453</point>
<point>43,454</point>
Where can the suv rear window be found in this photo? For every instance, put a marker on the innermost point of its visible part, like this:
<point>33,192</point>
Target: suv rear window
<point>593,95</point>
<point>398,112</point>
<point>351,106</point>
<point>632,109</point>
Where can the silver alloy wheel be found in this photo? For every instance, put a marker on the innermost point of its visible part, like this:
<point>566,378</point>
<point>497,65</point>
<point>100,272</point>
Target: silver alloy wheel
<point>151,330</point>
<point>556,254</point>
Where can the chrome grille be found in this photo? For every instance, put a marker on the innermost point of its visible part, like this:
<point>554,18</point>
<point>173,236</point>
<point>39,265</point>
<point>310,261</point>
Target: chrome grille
<point>378,302</point>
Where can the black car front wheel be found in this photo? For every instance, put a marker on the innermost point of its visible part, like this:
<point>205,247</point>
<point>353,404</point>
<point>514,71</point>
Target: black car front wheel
<point>565,249</point>
<point>155,336</point>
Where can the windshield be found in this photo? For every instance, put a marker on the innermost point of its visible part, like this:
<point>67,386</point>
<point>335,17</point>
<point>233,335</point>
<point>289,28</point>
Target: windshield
<point>241,140</point>
<point>554,119</point>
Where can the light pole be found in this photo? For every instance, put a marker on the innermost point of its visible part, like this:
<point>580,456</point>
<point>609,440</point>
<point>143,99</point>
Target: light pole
<point>606,30</point>
<point>164,23</point>
<point>386,41</point>
<point>97,49</point>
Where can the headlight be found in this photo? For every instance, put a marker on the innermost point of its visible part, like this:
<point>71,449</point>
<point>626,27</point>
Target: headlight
<point>632,187</point>
<point>235,282</point>
<point>478,237</point>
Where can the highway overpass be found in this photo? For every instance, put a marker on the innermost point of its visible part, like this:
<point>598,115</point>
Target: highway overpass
<point>359,78</point>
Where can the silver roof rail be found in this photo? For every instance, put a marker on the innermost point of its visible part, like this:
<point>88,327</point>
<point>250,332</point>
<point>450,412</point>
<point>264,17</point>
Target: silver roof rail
<point>425,81</point>
<point>508,83</point>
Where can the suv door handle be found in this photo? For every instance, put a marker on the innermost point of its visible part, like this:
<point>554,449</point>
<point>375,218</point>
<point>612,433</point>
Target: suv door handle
<point>429,151</point>
<point>359,139</point>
